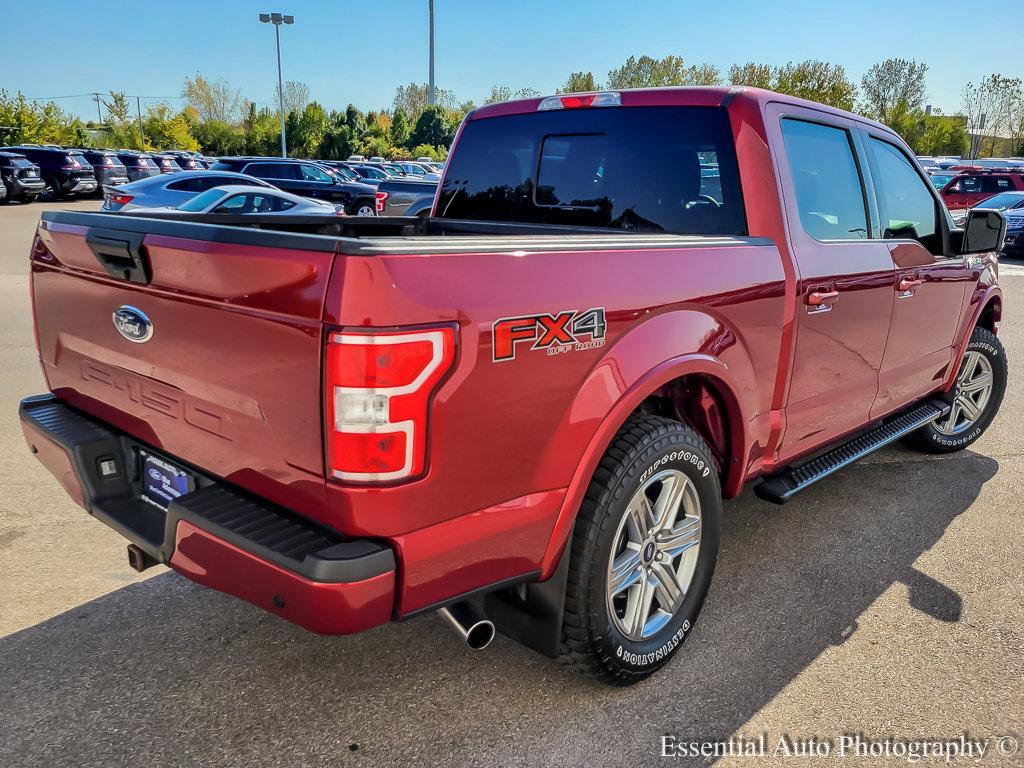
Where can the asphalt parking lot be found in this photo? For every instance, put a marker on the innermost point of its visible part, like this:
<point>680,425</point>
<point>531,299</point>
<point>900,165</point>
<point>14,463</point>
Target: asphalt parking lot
<point>887,601</point>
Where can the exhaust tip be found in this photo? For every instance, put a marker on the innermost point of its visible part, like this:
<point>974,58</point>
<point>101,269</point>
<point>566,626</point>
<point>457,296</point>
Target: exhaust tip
<point>479,636</point>
<point>476,630</point>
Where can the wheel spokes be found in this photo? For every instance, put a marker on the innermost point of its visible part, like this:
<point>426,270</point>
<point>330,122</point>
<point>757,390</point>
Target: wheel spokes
<point>639,608</point>
<point>968,407</point>
<point>667,586</point>
<point>683,536</point>
<point>670,499</point>
<point>641,517</point>
<point>625,571</point>
<point>977,384</point>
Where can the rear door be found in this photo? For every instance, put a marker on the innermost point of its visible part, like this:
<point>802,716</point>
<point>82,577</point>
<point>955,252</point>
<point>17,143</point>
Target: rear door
<point>845,294</point>
<point>929,285</point>
<point>229,379</point>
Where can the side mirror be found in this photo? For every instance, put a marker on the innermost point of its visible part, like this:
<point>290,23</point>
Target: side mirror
<point>984,230</point>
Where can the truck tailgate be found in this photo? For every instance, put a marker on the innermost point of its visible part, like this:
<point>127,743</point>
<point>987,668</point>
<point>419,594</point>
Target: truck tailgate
<point>229,379</point>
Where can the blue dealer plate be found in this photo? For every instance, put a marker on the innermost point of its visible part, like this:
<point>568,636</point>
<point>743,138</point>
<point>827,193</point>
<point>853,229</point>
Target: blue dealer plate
<point>162,482</point>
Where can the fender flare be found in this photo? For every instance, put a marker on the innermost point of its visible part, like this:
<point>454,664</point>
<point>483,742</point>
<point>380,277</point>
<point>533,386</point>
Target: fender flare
<point>991,296</point>
<point>682,365</point>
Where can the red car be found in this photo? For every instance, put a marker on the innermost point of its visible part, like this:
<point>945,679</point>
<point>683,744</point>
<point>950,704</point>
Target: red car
<point>971,187</point>
<point>527,408</point>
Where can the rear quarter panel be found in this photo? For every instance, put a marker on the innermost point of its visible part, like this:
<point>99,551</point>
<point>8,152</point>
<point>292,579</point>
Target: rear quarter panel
<point>503,431</point>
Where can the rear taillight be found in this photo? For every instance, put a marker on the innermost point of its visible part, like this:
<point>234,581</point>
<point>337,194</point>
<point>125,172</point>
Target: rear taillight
<point>119,199</point>
<point>378,390</point>
<point>581,101</point>
<point>379,199</point>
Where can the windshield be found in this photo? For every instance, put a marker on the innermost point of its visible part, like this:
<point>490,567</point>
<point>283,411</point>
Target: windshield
<point>202,201</point>
<point>1002,201</point>
<point>637,168</point>
<point>20,162</point>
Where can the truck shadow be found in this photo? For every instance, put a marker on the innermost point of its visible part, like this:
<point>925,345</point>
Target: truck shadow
<point>167,668</point>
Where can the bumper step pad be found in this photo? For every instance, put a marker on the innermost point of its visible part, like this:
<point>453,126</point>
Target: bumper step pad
<point>781,487</point>
<point>247,522</point>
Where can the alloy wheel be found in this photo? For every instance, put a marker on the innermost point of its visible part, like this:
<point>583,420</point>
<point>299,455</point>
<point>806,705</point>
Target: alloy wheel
<point>654,557</point>
<point>971,394</point>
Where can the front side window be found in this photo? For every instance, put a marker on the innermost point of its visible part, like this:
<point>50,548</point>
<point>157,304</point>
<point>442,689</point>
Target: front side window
<point>312,173</point>
<point>650,169</point>
<point>905,204</point>
<point>829,191</point>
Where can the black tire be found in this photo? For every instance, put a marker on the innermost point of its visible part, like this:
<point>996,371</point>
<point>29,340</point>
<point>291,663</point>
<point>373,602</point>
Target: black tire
<point>28,199</point>
<point>591,642</point>
<point>930,439</point>
<point>52,192</point>
<point>363,203</point>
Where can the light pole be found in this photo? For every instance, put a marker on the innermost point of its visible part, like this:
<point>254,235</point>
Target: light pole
<point>277,20</point>
<point>431,98</point>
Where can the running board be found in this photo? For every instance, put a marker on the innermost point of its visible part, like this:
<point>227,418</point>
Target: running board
<point>781,487</point>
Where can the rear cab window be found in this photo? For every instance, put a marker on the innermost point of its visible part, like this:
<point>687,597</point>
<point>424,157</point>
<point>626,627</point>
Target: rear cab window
<point>655,169</point>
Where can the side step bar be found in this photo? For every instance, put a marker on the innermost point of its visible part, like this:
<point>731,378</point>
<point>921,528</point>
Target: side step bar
<point>781,487</point>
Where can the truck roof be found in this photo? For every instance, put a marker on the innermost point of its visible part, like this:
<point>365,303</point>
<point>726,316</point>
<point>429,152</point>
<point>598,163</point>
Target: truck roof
<point>675,96</point>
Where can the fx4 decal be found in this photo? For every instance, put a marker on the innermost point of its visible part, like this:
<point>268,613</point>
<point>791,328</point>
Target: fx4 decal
<point>562,332</point>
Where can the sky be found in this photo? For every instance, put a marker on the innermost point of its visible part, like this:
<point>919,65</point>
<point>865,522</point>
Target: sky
<point>352,52</point>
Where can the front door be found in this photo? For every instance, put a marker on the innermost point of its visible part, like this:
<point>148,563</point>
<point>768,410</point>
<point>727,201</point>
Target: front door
<point>929,286</point>
<point>845,298</point>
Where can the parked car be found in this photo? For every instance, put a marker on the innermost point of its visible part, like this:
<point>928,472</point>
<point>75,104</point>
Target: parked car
<point>171,190</point>
<point>356,159</point>
<point>537,399</point>
<point>187,161</point>
<point>244,199</point>
<point>402,197</point>
<point>376,159</point>
<point>342,169</point>
<point>940,178</point>
<point>968,189</point>
<point>417,169</point>
<point>66,172</point>
<point>370,173</point>
<point>20,178</point>
<point>306,179</point>
<point>107,166</point>
<point>1014,243</point>
<point>166,163</point>
<point>138,164</point>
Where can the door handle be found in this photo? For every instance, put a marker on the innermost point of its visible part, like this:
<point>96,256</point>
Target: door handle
<point>906,284</point>
<point>820,300</point>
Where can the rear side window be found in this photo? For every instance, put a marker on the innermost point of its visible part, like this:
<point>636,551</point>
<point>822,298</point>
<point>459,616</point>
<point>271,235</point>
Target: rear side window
<point>905,202</point>
<point>201,183</point>
<point>829,192</point>
<point>995,184</point>
<point>632,168</point>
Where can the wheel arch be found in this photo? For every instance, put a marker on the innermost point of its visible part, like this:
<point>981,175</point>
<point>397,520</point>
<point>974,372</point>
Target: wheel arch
<point>697,389</point>
<point>986,310</point>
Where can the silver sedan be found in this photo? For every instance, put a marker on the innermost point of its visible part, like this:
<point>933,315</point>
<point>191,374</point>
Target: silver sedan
<point>241,199</point>
<point>171,190</point>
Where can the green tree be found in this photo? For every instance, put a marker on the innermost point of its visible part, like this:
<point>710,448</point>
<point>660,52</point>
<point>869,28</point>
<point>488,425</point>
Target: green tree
<point>166,129</point>
<point>400,129</point>
<point>818,81</point>
<point>296,96</point>
<point>216,137</point>
<point>338,142</point>
<point>310,127</point>
<point>504,93</point>
<point>892,89</point>
<point>434,127</point>
<point>752,75</point>
<point>646,72</point>
<point>212,99</point>
<point>413,99</point>
<point>580,82</point>
<point>262,131</point>
<point>426,150</point>
<point>356,121</point>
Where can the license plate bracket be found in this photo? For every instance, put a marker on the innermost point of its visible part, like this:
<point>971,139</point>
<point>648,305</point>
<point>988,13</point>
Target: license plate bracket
<point>162,480</point>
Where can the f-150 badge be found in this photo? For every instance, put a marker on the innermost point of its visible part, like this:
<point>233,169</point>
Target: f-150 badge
<point>571,331</point>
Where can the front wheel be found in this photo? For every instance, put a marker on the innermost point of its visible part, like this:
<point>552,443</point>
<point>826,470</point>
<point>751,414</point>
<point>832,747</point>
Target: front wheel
<point>643,551</point>
<point>974,400</point>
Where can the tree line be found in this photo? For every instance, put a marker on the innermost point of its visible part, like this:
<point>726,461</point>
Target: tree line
<point>218,120</point>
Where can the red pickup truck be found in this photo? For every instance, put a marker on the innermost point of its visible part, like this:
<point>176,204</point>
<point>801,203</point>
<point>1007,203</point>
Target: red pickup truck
<point>526,409</point>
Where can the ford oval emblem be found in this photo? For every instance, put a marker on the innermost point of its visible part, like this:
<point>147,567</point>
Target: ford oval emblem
<point>133,324</point>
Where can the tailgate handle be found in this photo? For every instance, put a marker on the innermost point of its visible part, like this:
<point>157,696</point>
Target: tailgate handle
<point>121,253</point>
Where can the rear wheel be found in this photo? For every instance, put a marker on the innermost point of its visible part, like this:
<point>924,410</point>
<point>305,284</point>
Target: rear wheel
<point>364,208</point>
<point>974,399</point>
<point>643,552</point>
